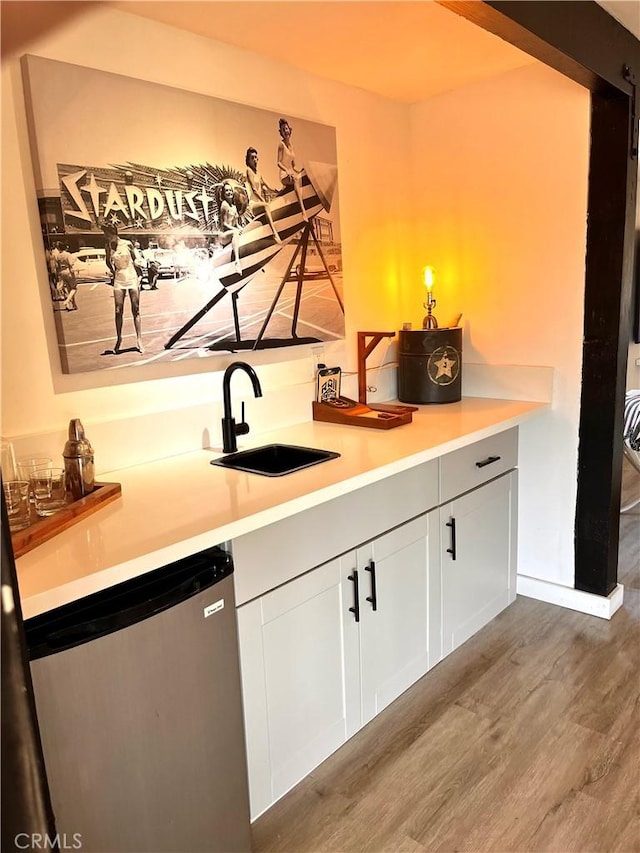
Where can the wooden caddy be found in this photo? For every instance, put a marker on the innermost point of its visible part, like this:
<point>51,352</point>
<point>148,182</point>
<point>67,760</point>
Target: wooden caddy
<point>346,411</point>
<point>374,416</point>
<point>42,529</point>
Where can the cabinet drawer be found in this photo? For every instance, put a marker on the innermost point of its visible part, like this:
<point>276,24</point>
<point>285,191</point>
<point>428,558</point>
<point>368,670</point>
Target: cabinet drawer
<point>471,466</point>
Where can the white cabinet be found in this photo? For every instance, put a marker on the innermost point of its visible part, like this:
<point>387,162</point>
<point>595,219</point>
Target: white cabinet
<point>399,611</point>
<point>324,648</point>
<point>477,463</point>
<point>300,676</point>
<point>478,558</point>
<point>318,661</point>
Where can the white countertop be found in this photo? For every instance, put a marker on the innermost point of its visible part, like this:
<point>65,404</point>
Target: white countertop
<point>180,505</point>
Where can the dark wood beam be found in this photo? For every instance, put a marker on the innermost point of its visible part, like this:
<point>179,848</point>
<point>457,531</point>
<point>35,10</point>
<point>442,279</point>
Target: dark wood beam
<point>577,38</point>
<point>607,332</point>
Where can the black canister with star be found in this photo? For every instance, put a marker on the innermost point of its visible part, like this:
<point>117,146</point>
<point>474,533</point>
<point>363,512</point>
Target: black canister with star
<point>430,365</point>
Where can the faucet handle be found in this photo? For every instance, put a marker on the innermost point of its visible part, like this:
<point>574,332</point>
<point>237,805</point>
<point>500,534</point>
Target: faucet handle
<point>243,427</point>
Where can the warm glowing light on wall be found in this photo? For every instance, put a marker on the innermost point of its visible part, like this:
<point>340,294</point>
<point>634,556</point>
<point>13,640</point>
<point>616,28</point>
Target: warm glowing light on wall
<point>429,278</point>
<point>429,321</point>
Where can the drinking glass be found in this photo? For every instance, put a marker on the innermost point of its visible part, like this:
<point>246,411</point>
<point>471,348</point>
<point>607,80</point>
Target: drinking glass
<point>7,460</point>
<point>16,498</point>
<point>28,465</point>
<point>49,489</point>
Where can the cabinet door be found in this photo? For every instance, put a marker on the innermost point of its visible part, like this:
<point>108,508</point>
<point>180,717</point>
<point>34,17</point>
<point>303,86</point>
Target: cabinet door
<point>478,536</point>
<point>395,636</point>
<point>300,674</point>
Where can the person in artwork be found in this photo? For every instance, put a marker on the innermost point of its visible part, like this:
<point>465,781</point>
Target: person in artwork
<point>153,273</point>
<point>52,267</point>
<point>55,251</point>
<point>257,190</point>
<point>139,262</point>
<point>66,276</point>
<point>230,223</point>
<point>290,175</point>
<point>121,261</point>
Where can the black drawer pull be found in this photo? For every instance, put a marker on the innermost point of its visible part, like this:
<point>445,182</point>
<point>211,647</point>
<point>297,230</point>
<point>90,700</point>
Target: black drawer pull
<point>488,461</point>
<point>452,550</point>
<point>356,594</point>
<point>373,598</point>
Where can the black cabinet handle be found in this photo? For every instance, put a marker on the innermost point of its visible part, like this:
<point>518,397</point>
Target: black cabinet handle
<point>356,594</point>
<point>373,598</point>
<point>452,550</point>
<point>488,461</point>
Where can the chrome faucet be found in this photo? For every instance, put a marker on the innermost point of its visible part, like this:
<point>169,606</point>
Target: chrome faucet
<point>229,427</point>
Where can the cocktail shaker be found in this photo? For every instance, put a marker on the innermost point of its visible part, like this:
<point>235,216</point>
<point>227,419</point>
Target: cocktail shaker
<point>78,461</point>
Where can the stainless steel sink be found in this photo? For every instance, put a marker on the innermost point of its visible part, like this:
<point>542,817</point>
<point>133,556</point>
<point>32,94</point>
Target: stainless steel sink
<point>275,460</point>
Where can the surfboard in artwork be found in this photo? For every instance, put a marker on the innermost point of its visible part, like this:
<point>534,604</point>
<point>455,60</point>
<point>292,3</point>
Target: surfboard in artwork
<point>257,244</point>
<point>257,248</point>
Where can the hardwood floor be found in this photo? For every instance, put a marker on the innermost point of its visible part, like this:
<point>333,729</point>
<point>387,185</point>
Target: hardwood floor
<point>525,739</point>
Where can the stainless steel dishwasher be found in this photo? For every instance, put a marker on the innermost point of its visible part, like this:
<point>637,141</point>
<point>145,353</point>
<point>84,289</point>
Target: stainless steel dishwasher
<point>138,697</point>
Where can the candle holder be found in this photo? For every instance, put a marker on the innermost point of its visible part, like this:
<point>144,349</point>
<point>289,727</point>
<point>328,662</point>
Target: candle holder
<point>429,321</point>
<point>430,360</point>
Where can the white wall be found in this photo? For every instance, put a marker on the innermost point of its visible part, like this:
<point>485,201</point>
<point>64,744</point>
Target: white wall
<point>496,203</point>
<point>633,367</point>
<point>371,132</point>
<point>501,198</point>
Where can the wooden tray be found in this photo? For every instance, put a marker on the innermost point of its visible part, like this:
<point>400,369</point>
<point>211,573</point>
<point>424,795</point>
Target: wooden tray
<point>358,414</point>
<point>42,529</point>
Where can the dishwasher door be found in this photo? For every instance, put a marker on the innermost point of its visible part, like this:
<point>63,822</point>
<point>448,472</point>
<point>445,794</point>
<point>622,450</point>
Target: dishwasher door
<point>138,697</point>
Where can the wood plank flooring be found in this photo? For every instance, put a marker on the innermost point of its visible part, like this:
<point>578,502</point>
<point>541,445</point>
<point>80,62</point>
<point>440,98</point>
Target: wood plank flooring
<point>526,739</point>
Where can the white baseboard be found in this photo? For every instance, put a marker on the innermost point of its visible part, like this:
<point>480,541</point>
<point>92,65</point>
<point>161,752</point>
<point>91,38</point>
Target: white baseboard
<point>574,599</point>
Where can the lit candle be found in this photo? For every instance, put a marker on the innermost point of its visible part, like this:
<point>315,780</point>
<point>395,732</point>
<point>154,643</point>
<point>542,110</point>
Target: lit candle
<point>429,278</point>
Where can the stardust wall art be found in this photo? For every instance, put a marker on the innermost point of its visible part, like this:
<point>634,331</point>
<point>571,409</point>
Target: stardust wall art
<point>178,225</point>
